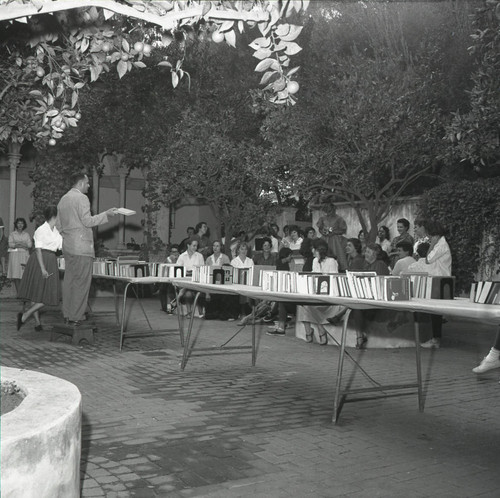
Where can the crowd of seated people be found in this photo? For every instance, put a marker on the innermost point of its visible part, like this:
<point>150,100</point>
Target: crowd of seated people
<point>323,250</point>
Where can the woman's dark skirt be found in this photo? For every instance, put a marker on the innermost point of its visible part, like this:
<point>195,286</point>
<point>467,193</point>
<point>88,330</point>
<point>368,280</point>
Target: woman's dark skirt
<point>37,289</point>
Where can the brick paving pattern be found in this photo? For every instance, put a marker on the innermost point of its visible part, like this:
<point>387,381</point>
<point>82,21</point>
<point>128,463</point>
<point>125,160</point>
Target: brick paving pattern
<point>223,428</point>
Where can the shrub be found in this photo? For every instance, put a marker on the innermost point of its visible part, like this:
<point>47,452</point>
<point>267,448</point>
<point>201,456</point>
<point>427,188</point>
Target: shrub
<point>470,211</point>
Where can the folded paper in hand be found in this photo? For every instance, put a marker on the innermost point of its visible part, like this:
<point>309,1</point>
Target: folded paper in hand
<point>125,211</point>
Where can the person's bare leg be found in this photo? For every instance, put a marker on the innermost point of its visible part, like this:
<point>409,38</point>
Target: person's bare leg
<point>31,311</point>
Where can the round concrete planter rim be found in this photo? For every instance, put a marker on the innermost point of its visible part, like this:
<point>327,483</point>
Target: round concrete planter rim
<point>48,399</point>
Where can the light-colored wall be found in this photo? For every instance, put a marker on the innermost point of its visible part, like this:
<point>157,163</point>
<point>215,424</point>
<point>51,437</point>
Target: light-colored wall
<point>404,208</point>
<point>188,216</point>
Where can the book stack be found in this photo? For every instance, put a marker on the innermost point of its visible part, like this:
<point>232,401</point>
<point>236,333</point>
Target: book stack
<point>203,274</point>
<point>358,285</point>
<point>424,286</point>
<point>135,269</point>
<point>105,266</point>
<point>485,292</point>
<point>243,276</point>
<point>368,285</point>
<point>220,275</point>
<point>278,281</point>
<point>170,270</point>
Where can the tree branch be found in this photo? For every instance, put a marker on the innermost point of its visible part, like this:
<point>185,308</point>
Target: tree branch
<point>167,21</point>
<point>5,90</point>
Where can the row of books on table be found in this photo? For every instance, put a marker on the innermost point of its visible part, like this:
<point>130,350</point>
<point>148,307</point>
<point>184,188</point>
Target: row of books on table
<point>485,292</point>
<point>359,285</point>
<point>132,268</point>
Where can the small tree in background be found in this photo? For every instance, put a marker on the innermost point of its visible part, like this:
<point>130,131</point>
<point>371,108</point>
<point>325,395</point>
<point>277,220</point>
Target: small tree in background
<point>370,122</point>
<point>203,160</point>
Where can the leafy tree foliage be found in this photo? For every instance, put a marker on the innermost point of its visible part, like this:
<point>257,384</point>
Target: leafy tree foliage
<point>202,159</point>
<point>475,135</point>
<point>369,125</point>
<point>57,51</point>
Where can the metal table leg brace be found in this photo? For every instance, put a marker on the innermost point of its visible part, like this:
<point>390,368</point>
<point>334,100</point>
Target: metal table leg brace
<point>188,349</point>
<point>341,395</point>
<point>123,322</point>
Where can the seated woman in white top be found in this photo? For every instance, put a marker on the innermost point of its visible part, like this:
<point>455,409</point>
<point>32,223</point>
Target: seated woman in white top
<point>318,315</point>
<point>242,261</point>
<point>219,306</point>
<point>40,283</point>
<point>294,241</point>
<point>404,251</point>
<point>190,259</point>
<point>321,262</point>
<point>218,258</point>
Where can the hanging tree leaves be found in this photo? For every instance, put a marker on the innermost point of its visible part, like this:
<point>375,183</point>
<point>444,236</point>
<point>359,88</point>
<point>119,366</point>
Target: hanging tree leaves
<point>51,49</point>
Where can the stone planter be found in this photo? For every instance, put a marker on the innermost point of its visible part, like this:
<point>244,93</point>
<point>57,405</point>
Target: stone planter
<point>41,438</point>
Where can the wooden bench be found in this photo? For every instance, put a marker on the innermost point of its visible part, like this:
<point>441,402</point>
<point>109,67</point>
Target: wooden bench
<point>81,334</point>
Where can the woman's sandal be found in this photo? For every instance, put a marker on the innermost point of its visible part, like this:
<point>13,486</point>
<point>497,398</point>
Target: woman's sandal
<point>361,342</point>
<point>309,337</point>
<point>323,339</point>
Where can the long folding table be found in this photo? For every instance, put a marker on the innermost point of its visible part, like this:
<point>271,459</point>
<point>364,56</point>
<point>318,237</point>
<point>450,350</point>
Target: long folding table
<point>131,282</point>
<point>458,308</point>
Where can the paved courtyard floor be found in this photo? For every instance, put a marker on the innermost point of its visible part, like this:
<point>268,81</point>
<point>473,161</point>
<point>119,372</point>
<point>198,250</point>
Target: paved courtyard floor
<point>223,428</point>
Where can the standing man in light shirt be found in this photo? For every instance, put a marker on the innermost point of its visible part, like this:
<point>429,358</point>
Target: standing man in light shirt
<point>75,224</point>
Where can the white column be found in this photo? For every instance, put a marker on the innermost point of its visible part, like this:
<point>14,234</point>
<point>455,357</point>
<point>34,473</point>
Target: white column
<point>14,156</point>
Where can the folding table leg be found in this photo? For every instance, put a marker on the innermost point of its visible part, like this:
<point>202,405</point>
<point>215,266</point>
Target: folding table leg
<point>117,310</point>
<point>185,355</point>
<point>180,318</point>
<point>124,307</point>
<point>337,406</point>
<point>416,328</point>
<point>254,353</point>
<point>142,307</point>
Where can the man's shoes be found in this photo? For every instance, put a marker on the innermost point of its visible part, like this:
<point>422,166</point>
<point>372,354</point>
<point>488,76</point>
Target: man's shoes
<point>275,331</point>
<point>433,343</point>
<point>38,328</point>
<point>74,323</point>
<point>487,364</point>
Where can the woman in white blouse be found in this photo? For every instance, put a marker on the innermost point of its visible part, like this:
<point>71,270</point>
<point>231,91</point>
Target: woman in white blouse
<point>438,263</point>
<point>190,259</point>
<point>242,261</point>
<point>40,283</point>
<point>217,258</point>
<point>317,316</point>
<point>219,306</point>
<point>321,262</point>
